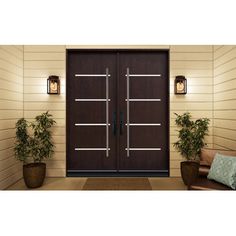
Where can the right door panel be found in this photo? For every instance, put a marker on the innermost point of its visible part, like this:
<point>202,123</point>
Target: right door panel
<point>144,111</point>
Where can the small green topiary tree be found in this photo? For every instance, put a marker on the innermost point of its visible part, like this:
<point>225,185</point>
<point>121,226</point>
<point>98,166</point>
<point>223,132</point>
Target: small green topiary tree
<point>39,145</point>
<point>22,144</point>
<point>191,135</point>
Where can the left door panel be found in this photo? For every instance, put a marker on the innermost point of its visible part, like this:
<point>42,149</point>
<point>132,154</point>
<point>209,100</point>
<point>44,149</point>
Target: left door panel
<point>91,118</point>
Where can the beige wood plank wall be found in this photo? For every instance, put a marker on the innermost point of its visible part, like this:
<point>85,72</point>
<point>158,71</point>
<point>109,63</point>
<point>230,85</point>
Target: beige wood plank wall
<point>11,109</point>
<point>39,63</point>
<point>196,64</point>
<point>225,97</point>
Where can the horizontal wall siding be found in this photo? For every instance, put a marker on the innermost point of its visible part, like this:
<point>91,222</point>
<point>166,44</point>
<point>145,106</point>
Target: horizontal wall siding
<point>11,109</point>
<point>39,63</point>
<point>196,64</point>
<point>225,97</point>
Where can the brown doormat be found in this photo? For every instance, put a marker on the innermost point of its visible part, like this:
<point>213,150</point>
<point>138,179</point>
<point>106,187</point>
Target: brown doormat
<point>117,184</point>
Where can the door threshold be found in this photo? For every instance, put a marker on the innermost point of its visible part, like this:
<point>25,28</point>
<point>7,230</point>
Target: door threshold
<point>117,174</point>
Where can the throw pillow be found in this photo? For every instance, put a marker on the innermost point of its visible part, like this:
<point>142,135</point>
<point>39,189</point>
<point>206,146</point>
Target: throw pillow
<point>223,170</point>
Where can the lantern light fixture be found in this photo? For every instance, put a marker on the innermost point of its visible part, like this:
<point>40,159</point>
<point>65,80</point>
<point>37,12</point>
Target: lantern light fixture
<point>53,84</point>
<point>180,84</point>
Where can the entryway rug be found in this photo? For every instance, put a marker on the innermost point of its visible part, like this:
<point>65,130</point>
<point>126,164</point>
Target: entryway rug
<point>119,183</point>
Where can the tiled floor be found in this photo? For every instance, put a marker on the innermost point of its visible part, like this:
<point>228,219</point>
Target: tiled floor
<point>173,183</point>
<point>78,183</point>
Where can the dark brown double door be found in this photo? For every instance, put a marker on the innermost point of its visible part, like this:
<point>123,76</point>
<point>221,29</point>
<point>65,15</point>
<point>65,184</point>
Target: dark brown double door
<point>117,112</point>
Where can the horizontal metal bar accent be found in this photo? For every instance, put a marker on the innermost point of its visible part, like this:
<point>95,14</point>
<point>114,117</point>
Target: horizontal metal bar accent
<point>144,75</point>
<point>91,124</point>
<point>91,149</point>
<point>144,124</point>
<point>144,100</point>
<point>91,100</point>
<point>91,75</point>
<point>144,149</point>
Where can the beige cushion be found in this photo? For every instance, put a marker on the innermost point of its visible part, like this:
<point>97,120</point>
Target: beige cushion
<point>207,155</point>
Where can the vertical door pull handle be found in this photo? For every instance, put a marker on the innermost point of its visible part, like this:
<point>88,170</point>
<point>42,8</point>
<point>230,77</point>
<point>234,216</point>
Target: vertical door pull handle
<point>121,123</point>
<point>127,80</point>
<point>114,124</point>
<point>107,112</point>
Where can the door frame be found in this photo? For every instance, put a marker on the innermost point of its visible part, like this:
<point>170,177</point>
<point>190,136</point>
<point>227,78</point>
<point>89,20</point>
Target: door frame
<point>110,173</point>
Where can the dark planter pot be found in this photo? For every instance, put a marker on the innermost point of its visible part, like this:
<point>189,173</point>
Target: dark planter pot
<point>189,171</point>
<point>34,174</point>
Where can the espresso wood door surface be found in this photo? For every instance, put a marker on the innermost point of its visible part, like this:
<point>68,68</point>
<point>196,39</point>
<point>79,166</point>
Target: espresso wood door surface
<point>117,112</point>
<point>144,105</point>
<point>91,81</point>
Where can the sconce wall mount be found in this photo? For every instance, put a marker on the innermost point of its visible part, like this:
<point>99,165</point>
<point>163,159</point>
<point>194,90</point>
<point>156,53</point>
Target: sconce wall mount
<point>180,85</point>
<point>53,84</point>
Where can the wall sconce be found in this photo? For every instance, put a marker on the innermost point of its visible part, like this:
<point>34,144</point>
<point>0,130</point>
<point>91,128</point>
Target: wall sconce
<point>53,85</point>
<point>180,84</point>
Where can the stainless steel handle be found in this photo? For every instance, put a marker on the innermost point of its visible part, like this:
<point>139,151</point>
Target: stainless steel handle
<point>127,80</point>
<point>107,112</point>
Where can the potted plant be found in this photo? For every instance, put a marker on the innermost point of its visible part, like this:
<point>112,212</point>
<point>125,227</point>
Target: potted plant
<point>190,141</point>
<point>33,149</point>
